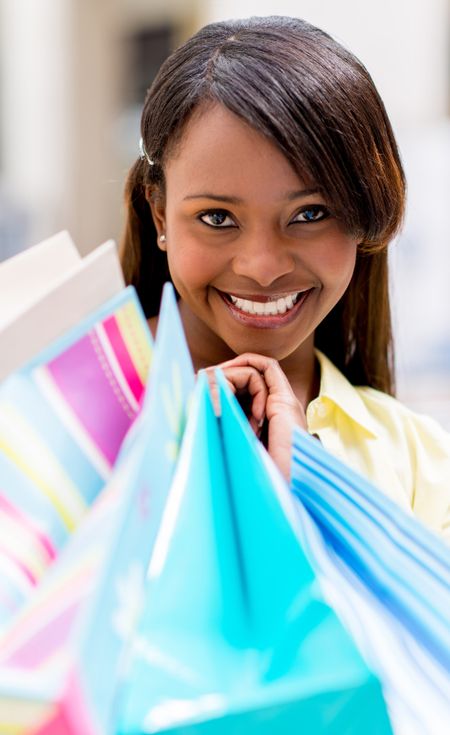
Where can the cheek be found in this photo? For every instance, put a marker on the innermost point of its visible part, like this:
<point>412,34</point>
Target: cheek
<point>337,261</point>
<point>192,267</point>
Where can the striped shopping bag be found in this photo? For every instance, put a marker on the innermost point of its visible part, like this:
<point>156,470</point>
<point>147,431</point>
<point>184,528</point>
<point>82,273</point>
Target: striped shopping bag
<point>385,568</point>
<point>63,417</point>
<point>62,657</point>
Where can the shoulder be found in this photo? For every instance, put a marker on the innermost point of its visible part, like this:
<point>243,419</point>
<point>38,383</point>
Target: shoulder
<point>381,413</point>
<point>392,414</point>
<point>406,454</point>
<point>423,445</point>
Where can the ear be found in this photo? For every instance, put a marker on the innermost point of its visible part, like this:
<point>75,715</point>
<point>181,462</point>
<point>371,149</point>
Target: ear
<point>157,206</point>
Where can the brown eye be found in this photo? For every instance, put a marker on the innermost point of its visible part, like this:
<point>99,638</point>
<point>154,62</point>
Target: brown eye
<point>217,218</point>
<point>313,213</point>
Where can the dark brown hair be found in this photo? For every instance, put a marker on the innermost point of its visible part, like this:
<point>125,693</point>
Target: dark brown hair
<point>296,85</point>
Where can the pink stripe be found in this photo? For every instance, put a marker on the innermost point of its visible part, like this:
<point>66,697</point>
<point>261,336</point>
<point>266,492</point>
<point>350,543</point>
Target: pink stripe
<point>73,716</point>
<point>27,522</point>
<point>72,592</point>
<point>86,381</point>
<point>19,564</point>
<point>55,724</point>
<point>123,357</point>
<point>46,640</point>
<point>78,708</point>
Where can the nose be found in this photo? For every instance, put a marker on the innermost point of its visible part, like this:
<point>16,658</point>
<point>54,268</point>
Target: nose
<point>263,258</point>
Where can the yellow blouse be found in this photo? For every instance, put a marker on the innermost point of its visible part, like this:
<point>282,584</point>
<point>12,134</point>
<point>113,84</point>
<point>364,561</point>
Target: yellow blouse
<point>405,454</point>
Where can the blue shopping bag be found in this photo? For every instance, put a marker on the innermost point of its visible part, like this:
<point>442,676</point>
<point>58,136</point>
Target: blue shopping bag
<point>406,565</point>
<point>235,634</point>
<point>387,569</point>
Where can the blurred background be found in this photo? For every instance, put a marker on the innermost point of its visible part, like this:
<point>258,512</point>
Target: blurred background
<point>73,76</point>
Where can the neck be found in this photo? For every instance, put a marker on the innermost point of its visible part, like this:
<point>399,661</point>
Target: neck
<point>303,372</point>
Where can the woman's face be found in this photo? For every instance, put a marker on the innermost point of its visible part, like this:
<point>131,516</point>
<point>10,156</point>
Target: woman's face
<point>254,252</point>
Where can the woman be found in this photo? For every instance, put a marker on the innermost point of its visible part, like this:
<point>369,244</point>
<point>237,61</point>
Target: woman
<point>268,189</point>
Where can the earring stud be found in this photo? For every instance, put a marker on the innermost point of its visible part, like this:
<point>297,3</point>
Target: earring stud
<point>162,238</point>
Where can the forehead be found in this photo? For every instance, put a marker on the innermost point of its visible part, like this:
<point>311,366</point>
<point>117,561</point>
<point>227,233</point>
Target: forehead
<point>218,151</point>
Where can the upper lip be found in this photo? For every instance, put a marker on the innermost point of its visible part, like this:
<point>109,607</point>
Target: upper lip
<point>264,298</point>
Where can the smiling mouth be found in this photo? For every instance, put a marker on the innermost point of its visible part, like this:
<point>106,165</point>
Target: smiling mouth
<point>265,311</point>
<point>266,306</point>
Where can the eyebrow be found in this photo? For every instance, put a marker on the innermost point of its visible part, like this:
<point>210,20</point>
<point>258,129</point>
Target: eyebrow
<point>236,200</point>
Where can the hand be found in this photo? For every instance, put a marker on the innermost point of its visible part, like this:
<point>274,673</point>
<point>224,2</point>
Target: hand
<point>271,397</point>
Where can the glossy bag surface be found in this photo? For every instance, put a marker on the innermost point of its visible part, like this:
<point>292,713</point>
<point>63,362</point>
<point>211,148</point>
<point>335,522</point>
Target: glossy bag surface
<point>386,568</point>
<point>236,635</point>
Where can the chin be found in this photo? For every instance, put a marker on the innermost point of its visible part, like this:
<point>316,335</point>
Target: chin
<point>263,347</point>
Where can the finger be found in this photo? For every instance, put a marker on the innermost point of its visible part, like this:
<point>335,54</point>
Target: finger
<point>239,379</point>
<point>269,368</point>
<point>283,409</point>
<point>250,380</point>
<point>281,400</point>
<point>214,390</point>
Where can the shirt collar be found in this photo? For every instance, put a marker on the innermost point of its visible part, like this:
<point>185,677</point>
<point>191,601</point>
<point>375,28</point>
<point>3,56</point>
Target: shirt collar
<point>335,387</point>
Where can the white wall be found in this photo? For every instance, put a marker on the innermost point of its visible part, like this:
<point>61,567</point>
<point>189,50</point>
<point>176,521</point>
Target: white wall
<point>61,69</point>
<point>35,107</point>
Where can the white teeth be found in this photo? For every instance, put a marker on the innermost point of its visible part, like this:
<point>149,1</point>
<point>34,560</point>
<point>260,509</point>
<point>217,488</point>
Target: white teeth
<point>268,308</point>
<point>281,306</point>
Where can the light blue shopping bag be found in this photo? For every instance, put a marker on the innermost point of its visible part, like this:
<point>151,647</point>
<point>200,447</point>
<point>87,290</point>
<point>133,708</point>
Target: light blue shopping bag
<point>235,635</point>
<point>393,553</point>
<point>395,575</point>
